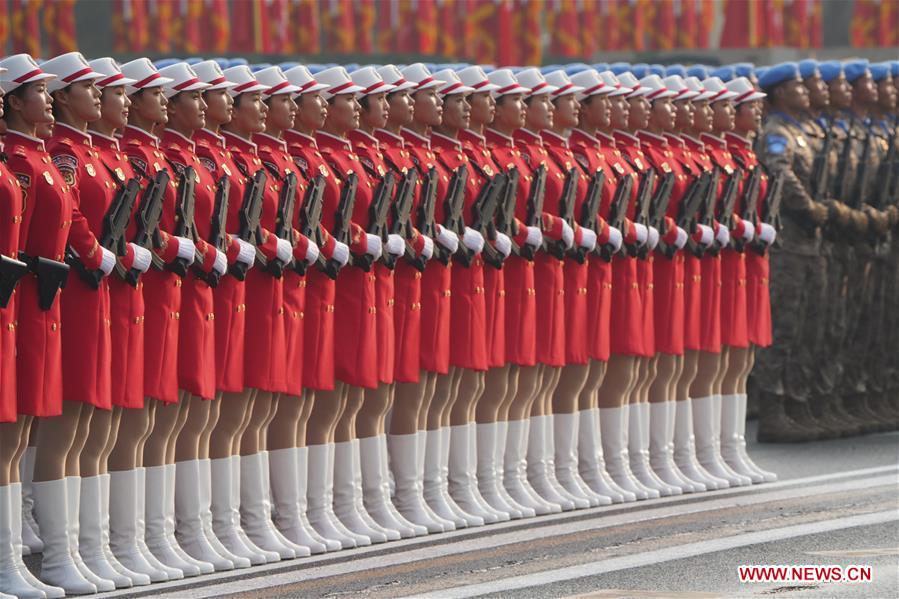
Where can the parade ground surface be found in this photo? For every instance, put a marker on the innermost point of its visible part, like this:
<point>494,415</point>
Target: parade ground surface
<point>836,503</point>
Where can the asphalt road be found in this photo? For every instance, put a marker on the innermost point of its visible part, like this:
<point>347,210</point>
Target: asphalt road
<point>837,502</point>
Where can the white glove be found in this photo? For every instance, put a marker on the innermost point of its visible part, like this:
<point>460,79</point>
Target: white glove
<point>653,240</point>
<point>503,244</point>
<point>428,250</point>
<point>642,234</point>
<point>723,237</point>
<point>707,237</point>
<point>588,239</point>
<point>767,233</point>
<point>284,253</point>
<point>473,240</point>
<point>681,240</point>
<point>341,253</point>
<point>396,245</point>
<point>748,231</point>
<point>107,262</point>
<point>312,252</point>
<point>535,237</point>
<point>616,239</point>
<point>373,246</point>
<point>142,257</point>
<point>447,239</point>
<point>247,252</point>
<point>221,262</point>
<point>186,249</point>
<point>567,235</point>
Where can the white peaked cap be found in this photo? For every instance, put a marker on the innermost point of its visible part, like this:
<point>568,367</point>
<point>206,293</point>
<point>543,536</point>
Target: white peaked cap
<point>183,79</point>
<point>245,80</point>
<point>474,77</point>
<point>506,82</point>
<point>303,79</point>
<point>717,87</point>
<point>535,82</point>
<point>69,68</point>
<point>419,74</point>
<point>744,89</point>
<point>370,81</point>
<point>612,81</point>
<point>629,81</point>
<point>658,87</point>
<point>144,74</point>
<point>338,81</point>
<point>452,84</point>
<point>276,81</point>
<point>392,75</point>
<point>210,72</point>
<point>19,70</point>
<point>112,73</point>
<point>677,84</point>
<point>591,84</point>
<point>563,84</point>
<point>694,84</point>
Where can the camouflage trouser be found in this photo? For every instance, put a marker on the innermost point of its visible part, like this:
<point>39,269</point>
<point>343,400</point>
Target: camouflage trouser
<point>891,331</point>
<point>861,321</point>
<point>798,293</point>
<point>833,320</point>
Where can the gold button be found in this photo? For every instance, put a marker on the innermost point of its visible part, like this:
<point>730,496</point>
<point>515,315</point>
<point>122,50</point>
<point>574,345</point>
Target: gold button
<point>302,314</point>
<point>11,327</point>
<point>54,326</point>
<point>210,316</point>
<point>391,302</point>
<point>634,286</point>
<point>502,293</point>
<point>447,293</point>
<point>417,275</point>
<point>177,282</point>
<point>176,315</point>
<point>137,320</point>
<point>302,283</point>
<point>281,310</point>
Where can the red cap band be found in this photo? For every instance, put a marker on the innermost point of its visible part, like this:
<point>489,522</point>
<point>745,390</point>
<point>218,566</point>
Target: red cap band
<point>274,90</point>
<point>538,87</point>
<point>108,80</point>
<point>77,74</point>
<point>28,76</point>
<point>563,89</point>
<point>425,81</point>
<point>340,88</point>
<point>307,85</point>
<point>448,90</point>
<point>144,82</point>
<point>245,86</point>
<point>217,81</point>
<point>657,93</point>
<point>371,88</point>
<point>186,84</point>
<point>590,90</point>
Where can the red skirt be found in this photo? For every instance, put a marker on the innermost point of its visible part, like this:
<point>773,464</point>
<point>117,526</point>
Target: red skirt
<point>710,325</point>
<point>230,325</point>
<point>196,339</point>
<point>8,412</point>
<point>127,335</point>
<point>86,343</point>
<point>468,315</point>
<point>495,306</point>
<point>318,332</point>
<point>435,317</point>
<point>521,312</point>
<point>734,315</point>
<point>692,302</point>
<point>647,297</point>
<point>162,301</point>
<point>386,339</point>
<point>355,328</point>
<point>38,354</point>
<point>294,318</point>
<point>627,308</point>
<point>577,335</point>
<point>668,288</point>
<point>264,364</point>
<point>599,308</point>
<point>549,280</point>
<point>407,323</point>
<point>758,298</point>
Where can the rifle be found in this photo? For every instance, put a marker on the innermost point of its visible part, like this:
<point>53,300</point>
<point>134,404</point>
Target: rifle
<point>505,219</point>
<point>287,201</point>
<point>218,236</point>
<point>426,224</point>
<point>483,213</point>
<point>311,217</point>
<point>536,196</point>
<point>115,225</point>
<point>728,200</point>
<point>377,216</point>
<point>453,205</point>
<point>590,209</point>
<point>402,211</point>
<point>11,270</point>
<point>147,220</point>
<point>250,213</point>
<point>641,208</point>
<point>689,207</point>
<point>771,210</point>
<point>566,212</point>
<point>184,215</point>
<point>844,176</point>
<point>343,220</point>
<point>51,277</point>
<point>658,207</point>
<point>618,212</point>
<point>751,200</point>
<point>821,169</point>
<point>860,189</point>
<point>886,175</point>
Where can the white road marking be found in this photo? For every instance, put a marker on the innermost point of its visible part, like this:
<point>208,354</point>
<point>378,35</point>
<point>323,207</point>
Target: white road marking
<point>659,556</point>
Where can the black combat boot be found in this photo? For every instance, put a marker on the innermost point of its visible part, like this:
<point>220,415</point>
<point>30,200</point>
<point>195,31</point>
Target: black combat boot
<point>775,426</point>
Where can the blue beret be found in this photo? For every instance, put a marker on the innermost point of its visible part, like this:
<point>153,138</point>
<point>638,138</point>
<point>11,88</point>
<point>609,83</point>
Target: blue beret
<point>194,60</point>
<point>777,74</point>
<point>676,69</point>
<point>830,70</point>
<point>258,66</point>
<point>725,73</point>
<point>880,71</point>
<point>894,68</point>
<point>760,71</point>
<point>808,68</point>
<point>577,68</point>
<point>546,70</point>
<point>286,66</point>
<point>488,68</point>
<point>601,66</point>
<point>855,69</point>
<point>222,62</point>
<point>315,67</point>
<point>352,66</point>
<point>640,70</point>
<point>236,62</point>
<point>166,62</point>
<point>699,71</point>
<point>743,69</point>
<point>657,69</point>
<point>620,67</point>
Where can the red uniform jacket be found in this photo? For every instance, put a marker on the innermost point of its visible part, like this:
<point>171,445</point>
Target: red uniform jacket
<point>10,219</point>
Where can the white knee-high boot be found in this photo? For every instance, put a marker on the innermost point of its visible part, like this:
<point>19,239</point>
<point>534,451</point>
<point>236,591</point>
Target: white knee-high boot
<point>348,496</point>
<point>286,511</point>
<point>613,423</point>
<point>409,478</point>
<point>224,505</point>
<point>592,463</point>
<point>488,475</point>
<point>13,572</point>
<point>376,488</point>
<point>90,536</point>
<point>707,427</point>
<point>565,441</point>
<point>321,498</point>
<point>126,526</point>
<point>31,538</point>
<point>733,439</point>
<point>189,525</point>
<point>685,449</point>
<point>661,448</point>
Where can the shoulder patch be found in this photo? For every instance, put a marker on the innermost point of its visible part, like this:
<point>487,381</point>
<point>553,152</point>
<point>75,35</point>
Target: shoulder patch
<point>775,144</point>
<point>178,167</point>
<point>272,167</point>
<point>208,164</point>
<point>24,180</point>
<point>139,164</point>
<point>66,164</point>
<point>582,160</point>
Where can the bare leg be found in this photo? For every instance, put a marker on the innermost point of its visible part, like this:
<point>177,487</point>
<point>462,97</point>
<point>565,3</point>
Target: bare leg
<point>183,413</point>
<point>250,438</point>
<point>325,414</point>
<point>530,379</point>
<point>496,384</point>
<point>166,421</point>
<point>134,429</point>
<point>666,368</point>
<point>441,399</point>
<point>502,413</point>
<point>114,424</point>
<point>232,414</point>
<point>73,458</point>
<point>196,412</point>
<point>572,379</point>
<point>408,401</point>
<point>750,362</point>
<point>11,436</point>
<point>370,420</point>
<point>589,395</point>
<point>471,388</point>
<point>345,429</point>
<point>308,403</point>
<point>282,433</point>
<point>688,375</point>
<point>206,433</point>
<point>707,369</point>
<point>99,432</point>
<point>721,370</point>
<point>55,437</point>
<point>620,375</point>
